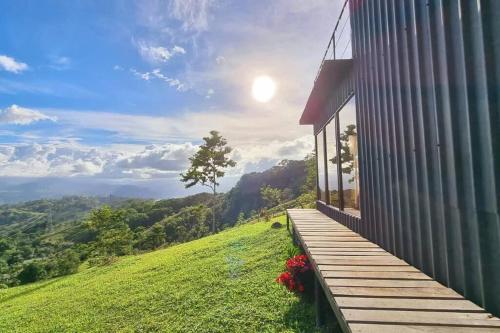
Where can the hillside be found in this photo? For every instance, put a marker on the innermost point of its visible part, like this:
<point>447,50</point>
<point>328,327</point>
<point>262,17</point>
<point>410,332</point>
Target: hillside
<point>220,283</point>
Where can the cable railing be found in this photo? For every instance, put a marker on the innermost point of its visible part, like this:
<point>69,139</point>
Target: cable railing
<point>341,36</point>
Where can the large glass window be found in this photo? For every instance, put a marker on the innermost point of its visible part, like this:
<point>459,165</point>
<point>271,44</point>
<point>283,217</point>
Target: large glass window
<point>348,139</point>
<point>332,167</point>
<point>320,144</point>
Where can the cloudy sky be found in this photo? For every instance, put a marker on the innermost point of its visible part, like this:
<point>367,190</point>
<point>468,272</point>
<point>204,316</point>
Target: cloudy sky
<point>123,91</point>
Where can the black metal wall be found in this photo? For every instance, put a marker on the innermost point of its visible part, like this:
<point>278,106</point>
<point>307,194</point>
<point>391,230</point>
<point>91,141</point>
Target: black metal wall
<point>427,82</point>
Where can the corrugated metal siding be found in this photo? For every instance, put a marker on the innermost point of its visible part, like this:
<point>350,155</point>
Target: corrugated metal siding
<point>428,88</point>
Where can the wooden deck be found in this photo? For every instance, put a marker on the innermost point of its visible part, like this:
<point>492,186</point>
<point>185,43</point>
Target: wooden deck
<point>371,290</point>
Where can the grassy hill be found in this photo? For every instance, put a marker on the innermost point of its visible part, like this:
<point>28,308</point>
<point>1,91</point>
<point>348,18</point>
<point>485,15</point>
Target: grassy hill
<point>220,283</point>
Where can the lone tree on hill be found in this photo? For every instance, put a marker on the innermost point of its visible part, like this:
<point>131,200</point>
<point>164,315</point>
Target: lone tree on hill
<point>208,165</point>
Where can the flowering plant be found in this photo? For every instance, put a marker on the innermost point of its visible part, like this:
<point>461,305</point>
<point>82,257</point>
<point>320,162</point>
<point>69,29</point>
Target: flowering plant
<point>298,274</point>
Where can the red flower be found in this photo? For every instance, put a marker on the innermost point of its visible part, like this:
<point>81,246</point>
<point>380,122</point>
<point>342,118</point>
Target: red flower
<point>293,277</point>
<point>287,280</point>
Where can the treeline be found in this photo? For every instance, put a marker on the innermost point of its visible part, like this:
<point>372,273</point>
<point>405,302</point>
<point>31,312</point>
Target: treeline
<point>98,230</point>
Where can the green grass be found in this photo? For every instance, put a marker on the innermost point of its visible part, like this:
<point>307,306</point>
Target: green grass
<point>221,283</point>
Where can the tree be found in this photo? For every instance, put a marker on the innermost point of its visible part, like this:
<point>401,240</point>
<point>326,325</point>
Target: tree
<point>271,196</point>
<point>190,223</point>
<point>241,218</point>
<point>155,237</point>
<point>32,272</point>
<point>208,165</point>
<point>113,234</point>
<point>67,262</point>
<point>346,156</point>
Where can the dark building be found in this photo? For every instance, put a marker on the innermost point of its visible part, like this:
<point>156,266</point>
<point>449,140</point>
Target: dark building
<point>408,136</point>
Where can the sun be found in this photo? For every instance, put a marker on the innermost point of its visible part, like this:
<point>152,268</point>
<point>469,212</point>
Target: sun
<point>263,88</point>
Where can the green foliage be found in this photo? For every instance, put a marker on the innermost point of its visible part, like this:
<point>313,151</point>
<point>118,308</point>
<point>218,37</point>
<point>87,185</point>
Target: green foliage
<point>241,219</point>
<point>311,173</point>
<point>306,200</point>
<point>271,196</point>
<point>4,246</point>
<point>288,176</point>
<point>68,262</point>
<point>190,223</point>
<point>293,250</point>
<point>208,165</point>
<point>221,283</point>
<point>346,156</point>
<point>154,237</point>
<point>113,234</point>
<point>209,162</point>
<point>32,272</point>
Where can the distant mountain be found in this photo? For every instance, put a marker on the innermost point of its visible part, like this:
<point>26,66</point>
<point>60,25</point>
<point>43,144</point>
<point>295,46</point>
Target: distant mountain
<point>47,213</point>
<point>289,176</point>
<point>13,190</point>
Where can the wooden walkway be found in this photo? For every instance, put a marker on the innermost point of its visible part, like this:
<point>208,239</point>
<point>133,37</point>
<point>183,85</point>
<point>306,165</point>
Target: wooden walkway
<point>371,290</point>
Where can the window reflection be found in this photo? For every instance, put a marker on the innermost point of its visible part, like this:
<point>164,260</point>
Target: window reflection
<point>348,139</point>
<point>321,167</point>
<point>332,167</point>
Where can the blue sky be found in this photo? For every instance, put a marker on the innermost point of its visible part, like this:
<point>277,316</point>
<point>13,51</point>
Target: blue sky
<point>123,91</point>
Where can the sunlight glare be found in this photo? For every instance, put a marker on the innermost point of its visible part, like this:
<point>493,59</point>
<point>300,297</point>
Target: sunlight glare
<point>263,88</point>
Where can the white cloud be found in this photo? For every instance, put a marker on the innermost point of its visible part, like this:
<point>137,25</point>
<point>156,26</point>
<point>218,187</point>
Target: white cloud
<point>68,159</point>
<point>117,68</point>
<point>154,161</point>
<point>194,14</point>
<point>128,161</point>
<point>11,65</point>
<point>178,50</point>
<point>22,116</point>
<point>158,54</point>
<point>157,74</point>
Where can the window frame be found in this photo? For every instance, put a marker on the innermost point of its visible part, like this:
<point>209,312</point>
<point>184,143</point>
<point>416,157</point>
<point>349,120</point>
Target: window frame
<point>324,132</point>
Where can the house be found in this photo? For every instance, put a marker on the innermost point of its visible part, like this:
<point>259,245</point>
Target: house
<point>407,135</point>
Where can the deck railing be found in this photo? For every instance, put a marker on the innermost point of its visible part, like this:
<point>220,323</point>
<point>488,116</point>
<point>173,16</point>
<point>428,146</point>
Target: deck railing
<point>340,40</point>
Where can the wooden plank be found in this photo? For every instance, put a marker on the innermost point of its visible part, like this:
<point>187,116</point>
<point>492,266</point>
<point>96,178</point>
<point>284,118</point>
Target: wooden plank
<point>379,283</point>
<point>368,268</point>
<point>309,220</point>
<point>315,251</point>
<point>420,317</point>
<point>332,239</point>
<point>309,223</point>
<point>444,293</point>
<point>357,250</point>
<point>359,262</point>
<point>341,244</point>
<point>375,275</point>
<point>330,233</point>
<point>360,258</point>
<point>371,328</point>
<point>408,304</point>
<point>318,228</point>
<point>319,238</point>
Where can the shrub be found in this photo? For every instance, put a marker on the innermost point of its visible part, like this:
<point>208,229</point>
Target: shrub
<point>298,276</point>
<point>67,262</point>
<point>32,272</point>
